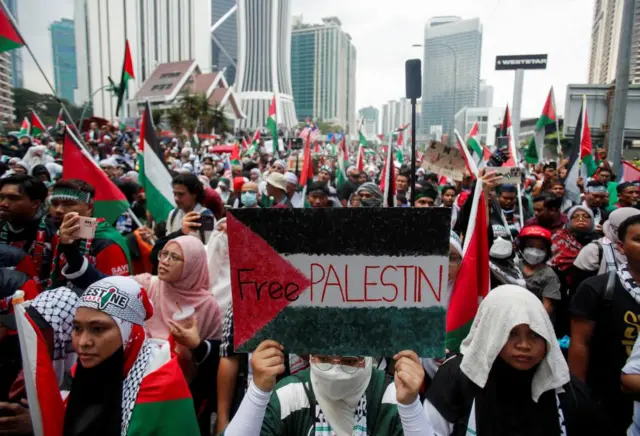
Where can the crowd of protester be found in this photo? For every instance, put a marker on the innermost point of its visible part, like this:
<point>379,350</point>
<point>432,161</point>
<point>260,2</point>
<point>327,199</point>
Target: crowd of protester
<point>141,313</point>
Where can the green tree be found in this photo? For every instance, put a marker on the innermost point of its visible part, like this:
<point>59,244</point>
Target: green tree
<point>46,106</point>
<point>194,114</point>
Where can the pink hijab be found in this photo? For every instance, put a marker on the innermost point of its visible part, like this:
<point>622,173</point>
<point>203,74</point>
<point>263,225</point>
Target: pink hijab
<point>192,289</point>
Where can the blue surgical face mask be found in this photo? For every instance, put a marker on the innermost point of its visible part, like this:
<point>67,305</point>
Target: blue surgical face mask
<point>249,199</point>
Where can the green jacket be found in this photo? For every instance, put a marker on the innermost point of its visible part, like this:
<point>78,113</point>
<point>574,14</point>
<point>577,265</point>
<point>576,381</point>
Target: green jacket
<point>289,414</point>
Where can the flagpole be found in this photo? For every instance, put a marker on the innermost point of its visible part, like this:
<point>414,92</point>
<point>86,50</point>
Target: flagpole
<point>555,109</point>
<point>15,25</point>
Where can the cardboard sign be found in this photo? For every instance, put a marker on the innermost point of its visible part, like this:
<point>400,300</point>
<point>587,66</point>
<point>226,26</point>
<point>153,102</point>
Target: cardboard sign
<point>512,175</point>
<point>351,282</point>
<point>445,161</point>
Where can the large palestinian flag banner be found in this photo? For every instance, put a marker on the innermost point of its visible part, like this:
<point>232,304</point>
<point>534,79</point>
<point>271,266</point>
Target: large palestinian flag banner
<point>331,287</point>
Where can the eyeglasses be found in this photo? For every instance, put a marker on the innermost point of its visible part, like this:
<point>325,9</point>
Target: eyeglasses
<point>349,364</point>
<point>581,218</point>
<point>170,258</point>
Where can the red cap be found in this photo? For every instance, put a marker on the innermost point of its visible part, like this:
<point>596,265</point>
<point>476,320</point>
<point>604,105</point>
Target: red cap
<point>535,232</point>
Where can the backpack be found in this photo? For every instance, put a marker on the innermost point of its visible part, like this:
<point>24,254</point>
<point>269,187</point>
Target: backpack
<point>609,257</point>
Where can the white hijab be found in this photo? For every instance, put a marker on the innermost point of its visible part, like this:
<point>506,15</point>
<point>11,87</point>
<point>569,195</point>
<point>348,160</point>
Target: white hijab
<point>504,308</point>
<point>339,393</point>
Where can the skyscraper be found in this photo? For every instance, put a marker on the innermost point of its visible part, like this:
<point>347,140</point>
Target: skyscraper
<point>17,79</point>
<point>224,55</point>
<point>395,114</point>
<point>323,68</point>
<point>370,121</point>
<point>605,39</point>
<point>63,48</point>
<point>451,79</point>
<point>158,32</point>
<point>486,94</point>
<point>264,61</point>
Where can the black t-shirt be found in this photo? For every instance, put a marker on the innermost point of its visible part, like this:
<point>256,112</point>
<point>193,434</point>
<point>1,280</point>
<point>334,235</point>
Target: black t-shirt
<point>347,189</point>
<point>616,331</point>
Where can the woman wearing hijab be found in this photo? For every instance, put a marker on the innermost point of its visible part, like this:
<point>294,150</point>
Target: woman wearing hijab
<point>115,386</point>
<point>601,256</point>
<point>511,378</point>
<point>567,242</point>
<point>370,195</point>
<point>182,283</point>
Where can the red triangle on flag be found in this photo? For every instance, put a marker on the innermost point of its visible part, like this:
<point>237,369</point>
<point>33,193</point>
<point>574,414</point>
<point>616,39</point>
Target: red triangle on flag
<point>79,165</point>
<point>257,266</point>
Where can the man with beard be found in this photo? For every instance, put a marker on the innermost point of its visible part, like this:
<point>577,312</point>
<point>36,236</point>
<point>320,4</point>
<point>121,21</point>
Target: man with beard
<point>107,250</point>
<point>547,213</point>
<point>22,218</point>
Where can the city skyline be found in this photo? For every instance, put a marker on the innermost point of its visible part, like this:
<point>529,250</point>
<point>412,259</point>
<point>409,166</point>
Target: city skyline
<point>384,33</point>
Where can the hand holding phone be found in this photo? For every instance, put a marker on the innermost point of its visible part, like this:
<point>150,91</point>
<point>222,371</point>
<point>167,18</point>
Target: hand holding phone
<point>207,223</point>
<point>87,228</point>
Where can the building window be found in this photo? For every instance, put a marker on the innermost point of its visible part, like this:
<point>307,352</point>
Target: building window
<point>170,75</point>
<point>162,87</point>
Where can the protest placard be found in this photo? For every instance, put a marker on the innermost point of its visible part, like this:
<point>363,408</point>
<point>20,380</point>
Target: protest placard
<point>512,175</point>
<point>366,282</point>
<point>445,161</point>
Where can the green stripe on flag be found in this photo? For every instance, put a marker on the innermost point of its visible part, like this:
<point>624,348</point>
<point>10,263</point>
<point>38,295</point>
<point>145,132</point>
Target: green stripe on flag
<point>177,418</point>
<point>531,154</point>
<point>455,337</point>
<point>397,325</point>
<point>109,210</point>
<point>589,164</point>
<point>7,44</point>
<point>477,149</point>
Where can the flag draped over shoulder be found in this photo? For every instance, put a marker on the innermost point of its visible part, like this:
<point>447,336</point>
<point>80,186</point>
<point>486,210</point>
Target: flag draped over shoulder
<point>45,402</point>
<point>473,275</point>
<point>109,201</point>
<point>154,175</point>
<point>9,36</point>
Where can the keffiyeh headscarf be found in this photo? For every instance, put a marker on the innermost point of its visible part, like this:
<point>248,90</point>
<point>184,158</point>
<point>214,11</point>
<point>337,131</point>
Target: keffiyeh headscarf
<point>374,190</point>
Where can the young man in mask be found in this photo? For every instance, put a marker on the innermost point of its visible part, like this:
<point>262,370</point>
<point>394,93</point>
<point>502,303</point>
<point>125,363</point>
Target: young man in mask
<point>337,395</point>
<point>370,195</point>
<point>546,209</point>
<point>507,198</point>
<point>535,248</point>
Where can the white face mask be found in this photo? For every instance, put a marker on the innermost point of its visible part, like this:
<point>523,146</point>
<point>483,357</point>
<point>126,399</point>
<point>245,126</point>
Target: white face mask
<point>534,256</point>
<point>337,384</point>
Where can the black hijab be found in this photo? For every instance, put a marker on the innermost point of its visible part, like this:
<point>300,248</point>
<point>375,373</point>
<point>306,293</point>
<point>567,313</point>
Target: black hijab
<point>503,408</point>
<point>94,405</point>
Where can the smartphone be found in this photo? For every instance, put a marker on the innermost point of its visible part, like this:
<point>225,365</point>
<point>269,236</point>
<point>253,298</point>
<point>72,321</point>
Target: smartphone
<point>87,228</point>
<point>503,142</point>
<point>207,222</point>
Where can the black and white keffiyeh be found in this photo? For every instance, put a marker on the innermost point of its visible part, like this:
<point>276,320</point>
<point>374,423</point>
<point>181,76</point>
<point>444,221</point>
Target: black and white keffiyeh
<point>131,384</point>
<point>58,308</point>
<point>628,283</point>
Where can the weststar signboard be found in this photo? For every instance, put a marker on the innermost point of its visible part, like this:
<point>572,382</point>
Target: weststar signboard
<point>522,62</point>
<point>345,281</point>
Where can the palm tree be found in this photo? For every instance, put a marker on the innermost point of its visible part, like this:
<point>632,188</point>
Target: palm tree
<point>176,119</point>
<point>158,117</point>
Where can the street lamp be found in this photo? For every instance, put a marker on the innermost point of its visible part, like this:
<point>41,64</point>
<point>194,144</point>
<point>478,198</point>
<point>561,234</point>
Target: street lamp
<point>455,83</point>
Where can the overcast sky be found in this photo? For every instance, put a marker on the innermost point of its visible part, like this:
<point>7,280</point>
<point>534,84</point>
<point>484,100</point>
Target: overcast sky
<point>383,32</point>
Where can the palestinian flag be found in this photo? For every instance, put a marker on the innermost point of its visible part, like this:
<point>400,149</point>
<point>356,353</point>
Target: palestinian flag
<point>37,126</point>
<point>470,164</point>
<point>505,131</point>
<point>362,139</point>
<point>547,118</point>
<point>321,285</point>
<point>272,124</point>
<point>473,276</point>
<point>580,157</point>
<point>45,402</point>
<point>195,140</point>
<point>306,175</point>
<point>244,145</point>
<point>164,406</point>
<point>235,154</point>
<point>25,128</point>
<point>127,74</point>
<point>473,142</point>
<point>109,202</point>
<point>255,144</point>
<point>360,158</point>
<point>154,175</point>
<point>343,163</point>
<point>10,37</point>
<point>388,179</point>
